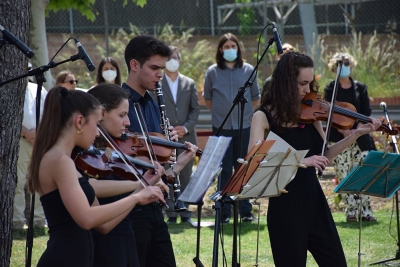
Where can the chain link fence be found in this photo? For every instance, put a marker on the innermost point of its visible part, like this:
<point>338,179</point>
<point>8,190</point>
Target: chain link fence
<point>296,21</point>
<point>213,17</point>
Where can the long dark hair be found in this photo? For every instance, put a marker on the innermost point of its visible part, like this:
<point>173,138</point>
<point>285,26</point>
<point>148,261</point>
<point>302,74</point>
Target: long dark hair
<point>282,97</point>
<point>110,96</point>
<point>114,63</point>
<point>59,106</point>
<point>219,56</point>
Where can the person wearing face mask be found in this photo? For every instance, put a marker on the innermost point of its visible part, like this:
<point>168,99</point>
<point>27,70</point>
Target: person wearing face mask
<point>221,84</point>
<point>182,109</point>
<point>108,71</point>
<point>356,93</point>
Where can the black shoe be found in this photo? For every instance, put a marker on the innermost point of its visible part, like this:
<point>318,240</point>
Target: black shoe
<point>248,218</point>
<point>225,220</point>
<point>171,220</point>
<point>186,220</point>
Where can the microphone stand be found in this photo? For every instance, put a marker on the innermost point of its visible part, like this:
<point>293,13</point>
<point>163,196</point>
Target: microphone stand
<point>239,98</point>
<point>39,74</point>
<point>395,150</point>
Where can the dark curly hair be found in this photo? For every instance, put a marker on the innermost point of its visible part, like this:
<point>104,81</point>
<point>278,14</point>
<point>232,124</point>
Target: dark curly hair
<point>282,97</point>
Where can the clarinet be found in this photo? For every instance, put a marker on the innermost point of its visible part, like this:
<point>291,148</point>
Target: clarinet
<point>179,206</point>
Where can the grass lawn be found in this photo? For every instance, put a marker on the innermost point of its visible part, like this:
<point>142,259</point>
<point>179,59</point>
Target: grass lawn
<point>378,242</point>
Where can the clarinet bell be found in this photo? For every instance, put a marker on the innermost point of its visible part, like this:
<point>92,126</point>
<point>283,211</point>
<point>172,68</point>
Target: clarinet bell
<point>179,206</point>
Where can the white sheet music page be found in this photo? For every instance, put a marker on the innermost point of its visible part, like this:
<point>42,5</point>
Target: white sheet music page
<point>207,170</point>
<point>276,170</point>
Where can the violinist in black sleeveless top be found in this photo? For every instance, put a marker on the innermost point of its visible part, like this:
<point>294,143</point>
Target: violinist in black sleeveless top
<point>118,247</point>
<point>70,119</point>
<point>300,220</point>
<point>145,57</point>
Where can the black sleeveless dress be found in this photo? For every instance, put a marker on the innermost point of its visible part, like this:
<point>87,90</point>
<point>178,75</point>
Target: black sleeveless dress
<point>69,244</point>
<point>118,247</point>
<point>301,220</point>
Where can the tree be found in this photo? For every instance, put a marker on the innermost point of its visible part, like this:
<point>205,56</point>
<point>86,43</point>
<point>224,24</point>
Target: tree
<point>14,16</point>
<point>38,30</point>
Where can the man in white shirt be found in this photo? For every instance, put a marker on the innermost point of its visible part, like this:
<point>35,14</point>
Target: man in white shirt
<point>28,134</point>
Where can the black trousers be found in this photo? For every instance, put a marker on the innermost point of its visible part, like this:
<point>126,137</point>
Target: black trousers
<point>229,162</point>
<point>154,246</point>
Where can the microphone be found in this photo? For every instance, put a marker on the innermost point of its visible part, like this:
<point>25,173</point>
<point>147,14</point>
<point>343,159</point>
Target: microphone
<point>383,105</point>
<point>277,40</point>
<point>15,41</point>
<point>84,56</point>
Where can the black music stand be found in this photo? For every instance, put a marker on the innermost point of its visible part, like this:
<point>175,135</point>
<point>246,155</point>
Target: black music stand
<point>266,170</point>
<point>376,175</point>
<point>207,171</point>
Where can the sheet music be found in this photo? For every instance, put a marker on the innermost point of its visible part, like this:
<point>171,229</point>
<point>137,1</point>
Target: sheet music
<point>207,170</point>
<point>277,169</point>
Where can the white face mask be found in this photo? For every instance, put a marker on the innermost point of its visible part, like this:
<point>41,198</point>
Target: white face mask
<point>109,75</point>
<point>172,65</point>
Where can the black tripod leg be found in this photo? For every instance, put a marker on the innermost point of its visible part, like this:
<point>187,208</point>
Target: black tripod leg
<point>196,259</point>
<point>397,257</point>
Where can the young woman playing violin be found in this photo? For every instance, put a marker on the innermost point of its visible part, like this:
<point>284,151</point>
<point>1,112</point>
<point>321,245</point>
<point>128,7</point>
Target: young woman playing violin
<point>68,200</point>
<point>300,220</point>
<point>118,247</point>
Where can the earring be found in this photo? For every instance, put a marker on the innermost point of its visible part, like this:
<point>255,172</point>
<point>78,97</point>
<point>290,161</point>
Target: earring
<point>80,131</point>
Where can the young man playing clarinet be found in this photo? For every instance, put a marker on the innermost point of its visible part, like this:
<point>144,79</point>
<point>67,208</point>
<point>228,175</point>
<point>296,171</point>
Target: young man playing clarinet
<point>146,57</point>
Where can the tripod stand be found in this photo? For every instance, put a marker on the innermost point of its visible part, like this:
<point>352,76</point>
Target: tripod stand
<point>396,150</point>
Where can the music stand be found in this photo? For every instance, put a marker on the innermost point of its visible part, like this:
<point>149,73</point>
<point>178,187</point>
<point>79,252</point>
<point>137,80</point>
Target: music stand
<point>207,171</point>
<point>376,175</point>
<point>266,177</point>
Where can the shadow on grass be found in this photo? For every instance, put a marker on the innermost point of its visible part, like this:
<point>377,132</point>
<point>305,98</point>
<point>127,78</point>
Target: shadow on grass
<point>21,234</point>
<point>356,225</point>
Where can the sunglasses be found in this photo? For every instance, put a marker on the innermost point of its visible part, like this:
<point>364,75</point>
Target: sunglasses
<point>288,48</point>
<point>346,63</point>
<point>71,81</point>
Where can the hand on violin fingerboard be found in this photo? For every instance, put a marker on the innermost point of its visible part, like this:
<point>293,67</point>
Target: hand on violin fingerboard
<point>369,127</point>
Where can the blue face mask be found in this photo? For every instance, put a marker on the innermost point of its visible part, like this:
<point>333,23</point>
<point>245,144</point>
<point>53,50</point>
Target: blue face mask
<point>345,72</point>
<point>230,55</point>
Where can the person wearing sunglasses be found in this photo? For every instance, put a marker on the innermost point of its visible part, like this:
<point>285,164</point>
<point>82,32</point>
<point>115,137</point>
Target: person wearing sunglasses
<point>286,47</point>
<point>356,93</point>
<point>66,79</point>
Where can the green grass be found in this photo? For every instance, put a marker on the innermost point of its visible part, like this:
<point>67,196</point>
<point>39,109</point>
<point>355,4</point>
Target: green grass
<point>376,242</point>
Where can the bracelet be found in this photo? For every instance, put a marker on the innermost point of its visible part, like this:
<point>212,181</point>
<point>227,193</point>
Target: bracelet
<point>175,173</point>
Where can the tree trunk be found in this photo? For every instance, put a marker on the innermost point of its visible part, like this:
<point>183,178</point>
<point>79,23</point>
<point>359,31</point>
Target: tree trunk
<point>14,16</point>
<point>38,40</point>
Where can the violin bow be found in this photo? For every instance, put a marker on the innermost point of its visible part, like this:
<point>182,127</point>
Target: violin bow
<point>123,157</point>
<point>143,128</point>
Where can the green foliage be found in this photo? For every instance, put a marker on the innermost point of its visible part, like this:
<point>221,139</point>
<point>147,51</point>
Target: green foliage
<point>378,64</point>
<point>196,58</point>
<point>246,17</point>
<point>85,7</point>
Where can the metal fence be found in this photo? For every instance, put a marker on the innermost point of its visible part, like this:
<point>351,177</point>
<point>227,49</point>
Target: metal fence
<point>213,17</point>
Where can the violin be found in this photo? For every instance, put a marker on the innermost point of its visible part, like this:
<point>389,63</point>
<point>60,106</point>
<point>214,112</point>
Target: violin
<point>101,163</point>
<point>134,144</point>
<point>314,108</point>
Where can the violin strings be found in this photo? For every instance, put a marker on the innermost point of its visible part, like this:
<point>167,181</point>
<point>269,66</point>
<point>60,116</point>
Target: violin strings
<point>345,111</point>
<point>122,156</point>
